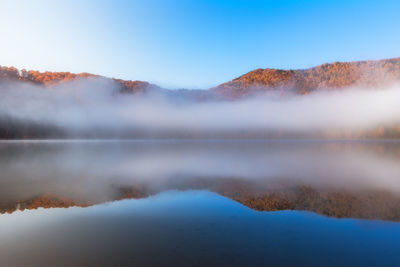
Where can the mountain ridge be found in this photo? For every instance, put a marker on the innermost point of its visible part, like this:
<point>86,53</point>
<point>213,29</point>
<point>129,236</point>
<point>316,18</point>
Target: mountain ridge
<point>369,73</point>
<point>336,75</point>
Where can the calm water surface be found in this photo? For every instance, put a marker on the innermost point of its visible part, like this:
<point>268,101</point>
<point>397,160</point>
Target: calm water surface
<point>174,203</point>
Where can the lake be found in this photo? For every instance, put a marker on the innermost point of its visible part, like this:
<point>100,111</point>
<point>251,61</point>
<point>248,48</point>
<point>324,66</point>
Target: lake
<point>199,203</point>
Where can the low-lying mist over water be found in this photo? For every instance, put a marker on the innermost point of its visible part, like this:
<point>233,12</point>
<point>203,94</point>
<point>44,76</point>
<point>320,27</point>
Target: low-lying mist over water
<point>92,172</point>
<point>96,108</point>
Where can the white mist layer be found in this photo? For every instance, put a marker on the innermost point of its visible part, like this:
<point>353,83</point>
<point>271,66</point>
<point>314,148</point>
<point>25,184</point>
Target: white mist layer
<point>84,105</point>
<point>94,169</point>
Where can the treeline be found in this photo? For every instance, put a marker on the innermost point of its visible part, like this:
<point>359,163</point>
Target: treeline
<point>37,77</point>
<point>11,128</point>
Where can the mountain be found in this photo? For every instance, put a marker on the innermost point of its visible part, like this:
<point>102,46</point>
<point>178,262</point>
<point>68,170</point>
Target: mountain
<point>372,73</point>
<point>327,76</point>
<point>49,79</point>
<point>52,78</point>
<point>334,76</point>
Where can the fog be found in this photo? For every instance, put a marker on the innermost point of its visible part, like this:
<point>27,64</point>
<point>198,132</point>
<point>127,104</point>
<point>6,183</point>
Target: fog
<point>96,104</point>
<point>95,170</point>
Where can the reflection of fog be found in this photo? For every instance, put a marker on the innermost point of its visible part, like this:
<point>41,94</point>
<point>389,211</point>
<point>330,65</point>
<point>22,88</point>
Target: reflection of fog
<point>91,169</point>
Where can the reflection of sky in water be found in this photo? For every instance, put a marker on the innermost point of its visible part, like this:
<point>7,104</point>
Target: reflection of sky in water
<point>191,227</point>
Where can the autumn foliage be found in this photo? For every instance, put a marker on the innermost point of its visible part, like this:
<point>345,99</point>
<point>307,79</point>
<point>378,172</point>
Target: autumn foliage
<point>52,78</point>
<point>327,76</point>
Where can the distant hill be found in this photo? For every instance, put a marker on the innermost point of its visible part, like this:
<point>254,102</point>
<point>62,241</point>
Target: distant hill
<point>49,79</point>
<point>327,76</point>
<point>52,78</point>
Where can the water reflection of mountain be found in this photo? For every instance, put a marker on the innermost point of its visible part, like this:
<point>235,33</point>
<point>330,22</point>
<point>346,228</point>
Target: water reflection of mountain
<point>371,204</point>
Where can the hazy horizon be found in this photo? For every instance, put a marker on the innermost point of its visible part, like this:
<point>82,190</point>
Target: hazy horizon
<point>95,105</point>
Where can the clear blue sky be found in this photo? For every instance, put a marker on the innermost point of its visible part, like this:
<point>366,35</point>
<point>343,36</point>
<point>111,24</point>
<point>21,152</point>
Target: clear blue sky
<point>193,44</point>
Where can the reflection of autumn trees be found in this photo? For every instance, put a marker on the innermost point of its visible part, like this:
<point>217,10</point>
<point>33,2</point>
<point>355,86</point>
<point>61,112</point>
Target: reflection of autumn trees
<point>49,200</point>
<point>283,194</point>
<point>45,201</point>
<point>370,204</point>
